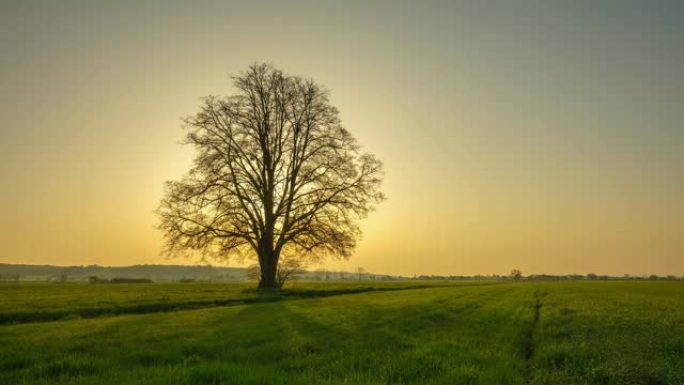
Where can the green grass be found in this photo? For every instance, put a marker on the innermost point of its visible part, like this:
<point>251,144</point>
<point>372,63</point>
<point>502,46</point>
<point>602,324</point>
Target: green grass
<point>399,333</point>
<point>42,302</point>
<point>612,333</point>
<point>36,302</point>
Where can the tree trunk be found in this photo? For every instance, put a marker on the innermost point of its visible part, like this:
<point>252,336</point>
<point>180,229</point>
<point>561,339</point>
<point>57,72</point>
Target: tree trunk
<point>268,256</point>
<point>268,262</point>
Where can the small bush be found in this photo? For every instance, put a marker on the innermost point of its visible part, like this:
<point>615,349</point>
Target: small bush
<point>131,280</point>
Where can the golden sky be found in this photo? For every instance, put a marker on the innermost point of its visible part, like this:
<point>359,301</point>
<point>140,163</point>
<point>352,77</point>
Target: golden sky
<point>544,136</point>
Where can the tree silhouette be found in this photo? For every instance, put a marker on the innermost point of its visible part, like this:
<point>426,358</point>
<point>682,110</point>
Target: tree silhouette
<point>274,172</point>
<point>288,269</point>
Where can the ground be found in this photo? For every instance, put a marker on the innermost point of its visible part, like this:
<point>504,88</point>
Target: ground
<point>355,333</point>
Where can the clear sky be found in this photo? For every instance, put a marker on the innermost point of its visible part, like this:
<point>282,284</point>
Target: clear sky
<point>541,135</point>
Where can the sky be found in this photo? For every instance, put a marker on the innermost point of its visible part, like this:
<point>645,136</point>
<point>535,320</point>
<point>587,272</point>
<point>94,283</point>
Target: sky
<point>543,135</point>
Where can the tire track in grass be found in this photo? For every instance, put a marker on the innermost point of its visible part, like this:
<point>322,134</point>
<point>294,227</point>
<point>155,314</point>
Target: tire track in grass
<point>528,343</point>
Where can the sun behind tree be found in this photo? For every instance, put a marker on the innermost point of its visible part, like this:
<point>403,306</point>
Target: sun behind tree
<point>275,173</point>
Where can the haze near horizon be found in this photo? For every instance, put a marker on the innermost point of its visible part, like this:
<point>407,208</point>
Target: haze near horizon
<point>538,136</point>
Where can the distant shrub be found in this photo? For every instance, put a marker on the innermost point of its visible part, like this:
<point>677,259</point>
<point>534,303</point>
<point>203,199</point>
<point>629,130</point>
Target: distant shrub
<point>9,278</point>
<point>96,279</point>
<point>131,280</point>
<point>288,269</point>
<point>253,272</point>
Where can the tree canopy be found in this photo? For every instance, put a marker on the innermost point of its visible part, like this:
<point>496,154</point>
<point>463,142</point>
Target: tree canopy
<point>275,173</point>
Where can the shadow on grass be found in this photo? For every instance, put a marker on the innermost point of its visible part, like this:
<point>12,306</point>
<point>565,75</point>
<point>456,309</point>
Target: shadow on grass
<point>251,296</point>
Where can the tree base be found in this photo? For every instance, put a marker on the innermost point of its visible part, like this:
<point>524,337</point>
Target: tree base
<point>266,285</point>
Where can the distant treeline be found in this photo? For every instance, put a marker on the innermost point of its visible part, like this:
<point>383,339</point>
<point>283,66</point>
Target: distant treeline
<point>95,279</point>
<point>547,277</point>
<point>161,273</point>
<point>180,273</point>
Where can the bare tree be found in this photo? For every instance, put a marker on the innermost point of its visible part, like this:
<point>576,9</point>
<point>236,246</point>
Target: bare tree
<point>253,272</point>
<point>274,172</point>
<point>516,274</point>
<point>289,268</point>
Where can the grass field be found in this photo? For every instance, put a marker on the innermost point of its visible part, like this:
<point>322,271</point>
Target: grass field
<point>361,333</point>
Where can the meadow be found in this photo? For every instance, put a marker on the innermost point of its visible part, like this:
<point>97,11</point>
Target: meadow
<point>581,332</point>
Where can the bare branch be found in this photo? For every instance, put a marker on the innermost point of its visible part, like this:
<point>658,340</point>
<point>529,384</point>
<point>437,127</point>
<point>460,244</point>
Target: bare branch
<point>275,172</point>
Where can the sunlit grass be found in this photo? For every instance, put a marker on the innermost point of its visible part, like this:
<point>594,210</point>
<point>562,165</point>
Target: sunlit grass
<point>593,333</point>
<point>31,302</point>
